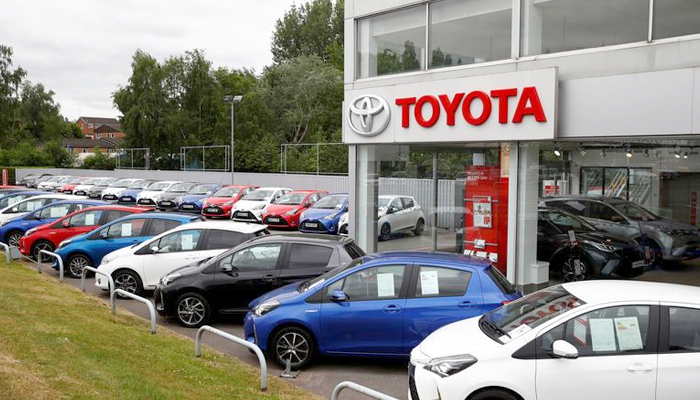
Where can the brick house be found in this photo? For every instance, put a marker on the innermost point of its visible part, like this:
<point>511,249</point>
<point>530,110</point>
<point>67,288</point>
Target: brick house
<point>99,128</point>
<point>86,147</point>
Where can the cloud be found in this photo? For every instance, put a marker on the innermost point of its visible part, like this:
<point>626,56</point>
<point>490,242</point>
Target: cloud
<point>82,49</point>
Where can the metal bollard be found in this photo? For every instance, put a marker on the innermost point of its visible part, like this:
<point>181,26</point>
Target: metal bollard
<point>151,309</point>
<point>109,279</point>
<point>360,389</point>
<point>54,255</point>
<point>7,253</point>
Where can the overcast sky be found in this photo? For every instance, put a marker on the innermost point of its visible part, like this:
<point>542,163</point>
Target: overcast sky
<point>82,49</point>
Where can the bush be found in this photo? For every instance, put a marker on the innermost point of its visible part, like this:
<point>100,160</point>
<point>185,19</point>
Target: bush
<point>98,161</point>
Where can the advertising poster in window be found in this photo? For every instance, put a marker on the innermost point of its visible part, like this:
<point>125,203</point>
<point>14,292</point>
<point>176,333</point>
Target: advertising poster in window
<point>482,211</point>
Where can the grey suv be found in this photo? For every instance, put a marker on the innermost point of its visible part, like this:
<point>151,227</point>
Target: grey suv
<point>667,239</point>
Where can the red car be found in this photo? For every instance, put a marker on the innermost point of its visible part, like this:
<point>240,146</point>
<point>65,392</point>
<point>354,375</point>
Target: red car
<point>47,237</point>
<point>67,188</point>
<point>284,212</point>
<point>221,202</point>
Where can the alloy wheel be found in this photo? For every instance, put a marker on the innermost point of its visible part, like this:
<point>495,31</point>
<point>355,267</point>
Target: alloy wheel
<point>294,347</point>
<point>42,246</point>
<point>13,239</point>
<point>76,265</point>
<point>191,311</point>
<point>569,272</point>
<point>126,282</point>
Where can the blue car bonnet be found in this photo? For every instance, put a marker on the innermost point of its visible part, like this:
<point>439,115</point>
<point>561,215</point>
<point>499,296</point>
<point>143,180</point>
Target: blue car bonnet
<point>279,294</point>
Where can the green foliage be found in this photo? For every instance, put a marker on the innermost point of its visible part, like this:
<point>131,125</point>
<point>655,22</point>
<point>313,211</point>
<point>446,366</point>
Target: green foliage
<point>26,153</point>
<point>313,29</point>
<point>98,161</point>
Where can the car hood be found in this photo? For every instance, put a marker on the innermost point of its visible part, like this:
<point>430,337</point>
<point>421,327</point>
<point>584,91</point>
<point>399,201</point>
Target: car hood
<point>247,205</point>
<point>149,194</point>
<point>192,198</point>
<point>83,187</point>
<point>219,200</point>
<point>318,213</point>
<point>282,208</point>
<point>114,191</point>
<point>131,192</point>
<point>5,217</point>
<point>280,294</point>
<point>171,195</point>
<point>600,236</point>
<point>671,227</point>
<point>461,337</point>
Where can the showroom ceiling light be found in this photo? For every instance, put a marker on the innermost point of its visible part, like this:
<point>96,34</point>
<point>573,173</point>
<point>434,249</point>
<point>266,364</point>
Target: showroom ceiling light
<point>557,151</point>
<point>628,152</point>
<point>685,155</point>
<point>677,154</point>
<point>581,150</point>
<point>646,152</point>
<point>602,153</point>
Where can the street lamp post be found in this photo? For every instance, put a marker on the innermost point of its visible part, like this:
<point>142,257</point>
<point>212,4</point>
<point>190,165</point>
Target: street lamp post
<point>233,99</point>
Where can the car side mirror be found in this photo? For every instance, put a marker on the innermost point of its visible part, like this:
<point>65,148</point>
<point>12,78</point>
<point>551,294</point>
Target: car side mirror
<point>15,209</point>
<point>66,224</point>
<point>154,249</point>
<point>564,349</point>
<point>391,210</point>
<point>338,295</point>
<point>229,269</point>
<point>103,234</point>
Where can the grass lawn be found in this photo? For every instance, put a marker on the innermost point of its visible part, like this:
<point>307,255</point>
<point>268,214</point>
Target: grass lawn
<point>58,343</point>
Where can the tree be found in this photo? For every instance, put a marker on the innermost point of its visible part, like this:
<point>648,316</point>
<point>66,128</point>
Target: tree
<point>315,28</point>
<point>409,58</point>
<point>98,161</point>
<point>40,114</point>
<point>10,83</point>
<point>388,62</point>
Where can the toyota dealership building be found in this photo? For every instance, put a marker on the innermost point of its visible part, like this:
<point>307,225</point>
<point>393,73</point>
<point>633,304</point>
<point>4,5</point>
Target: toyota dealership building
<point>486,110</point>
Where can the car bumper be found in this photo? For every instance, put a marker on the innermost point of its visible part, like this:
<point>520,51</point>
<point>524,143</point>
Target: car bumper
<point>112,198</point>
<point>247,216</point>
<point>101,281</point>
<point>250,330</point>
<point>126,200</point>
<point>317,226</point>
<point>216,211</point>
<point>24,246</point>
<point>189,208</point>
<point>684,248</point>
<point>166,205</point>
<point>145,202</point>
<point>161,304</point>
<point>281,221</point>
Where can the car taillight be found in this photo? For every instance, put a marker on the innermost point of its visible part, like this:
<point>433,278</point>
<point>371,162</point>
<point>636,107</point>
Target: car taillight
<point>504,302</point>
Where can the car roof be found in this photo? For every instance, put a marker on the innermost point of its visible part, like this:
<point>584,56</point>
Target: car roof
<point>605,199</point>
<point>114,207</point>
<point>609,291</point>
<point>273,188</point>
<point>307,237</point>
<point>427,256</point>
<point>175,216</point>
<point>226,225</point>
<point>54,196</point>
<point>171,182</point>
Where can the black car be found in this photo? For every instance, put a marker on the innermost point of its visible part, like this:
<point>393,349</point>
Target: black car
<point>168,200</point>
<point>225,284</point>
<point>31,178</point>
<point>576,250</point>
<point>95,192</point>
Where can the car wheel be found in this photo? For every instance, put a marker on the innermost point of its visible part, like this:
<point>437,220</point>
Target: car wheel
<point>569,271</point>
<point>294,344</point>
<point>42,245</point>
<point>385,232</point>
<point>12,238</point>
<point>192,310</point>
<point>493,394</point>
<point>420,226</point>
<point>76,264</point>
<point>128,281</point>
<point>343,230</point>
<point>656,257</point>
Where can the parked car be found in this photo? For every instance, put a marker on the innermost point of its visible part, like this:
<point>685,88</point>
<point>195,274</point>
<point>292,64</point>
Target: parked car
<point>82,189</point>
<point>167,200</point>
<point>12,198</point>
<point>139,268</point>
<point>668,240</point>
<point>151,195</point>
<point>49,184</point>
<point>12,230</point>
<point>115,189</point>
<point>5,190</point>
<point>379,305</point>
<point>224,285</point>
<point>324,216</point>
<point>89,248</point>
<point>251,207</point>
<point>35,182</point>
<point>285,212</point>
<point>343,224</point>
<point>33,203</point>
<point>49,236</point>
<point>68,187</point>
<point>221,202</point>
<point>193,200</point>
<point>577,341</point>
<point>395,214</point>
<point>29,179</point>
<point>128,196</point>
<point>95,192</point>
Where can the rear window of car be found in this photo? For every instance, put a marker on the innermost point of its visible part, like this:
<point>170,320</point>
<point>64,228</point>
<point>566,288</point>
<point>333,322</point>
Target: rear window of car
<point>160,225</point>
<point>309,256</point>
<point>500,280</point>
<point>354,251</point>
<point>221,239</point>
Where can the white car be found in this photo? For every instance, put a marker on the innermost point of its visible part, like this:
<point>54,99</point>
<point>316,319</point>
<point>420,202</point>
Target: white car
<point>251,206</point>
<point>623,340</point>
<point>30,204</point>
<point>151,195</point>
<point>139,268</point>
<point>53,182</point>
<point>115,189</point>
<point>394,214</point>
<point>82,189</point>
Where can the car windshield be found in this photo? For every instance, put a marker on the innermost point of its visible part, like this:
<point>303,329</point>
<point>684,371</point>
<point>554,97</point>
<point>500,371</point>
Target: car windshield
<point>54,179</point>
<point>159,186</point>
<point>181,188</point>
<point>292,199</point>
<point>259,195</point>
<point>122,183</point>
<point>202,189</point>
<point>227,192</point>
<point>532,310</point>
<point>91,181</point>
<point>312,283</point>
<point>383,202</point>
<point>635,212</point>
<point>76,181</point>
<point>331,202</point>
<point>569,222</point>
<point>140,184</point>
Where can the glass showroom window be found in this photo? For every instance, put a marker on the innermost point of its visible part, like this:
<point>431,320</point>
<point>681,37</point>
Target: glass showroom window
<point>562,25</point>
<point>468,32</point>
<point>391,43</point>
<point>676,18</point>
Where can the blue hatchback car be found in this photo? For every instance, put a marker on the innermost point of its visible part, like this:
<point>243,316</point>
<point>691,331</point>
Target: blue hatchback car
<point>12,230</point>
<point>88,249</point>
<point>383,304</point>
<point>9,199</point>
<point>324,215</point>
<point>192,201</point>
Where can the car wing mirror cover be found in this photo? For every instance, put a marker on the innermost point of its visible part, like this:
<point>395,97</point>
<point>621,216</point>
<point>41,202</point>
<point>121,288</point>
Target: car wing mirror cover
<point>154,249</point>
<point>229,269</point>
<point>66,224</point>
<point>564,349</point>
<point>338,295</point>
<point>103,234</point>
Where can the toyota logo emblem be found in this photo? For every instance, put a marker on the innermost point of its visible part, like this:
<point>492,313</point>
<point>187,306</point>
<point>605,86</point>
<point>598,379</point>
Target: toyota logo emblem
<point>369,115</point>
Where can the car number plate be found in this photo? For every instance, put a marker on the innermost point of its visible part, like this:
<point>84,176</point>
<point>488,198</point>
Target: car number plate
<point>638,264</point>
<point>167,203</point>
<point>273,219</point>
<point>312,224</point>
<point>211,210</point>
<point>188,206</point>
<point>577,266</point>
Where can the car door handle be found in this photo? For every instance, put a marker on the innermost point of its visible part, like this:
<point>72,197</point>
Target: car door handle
<point>639,368</point>
<point>392,309</point>
<point>466,304</point>
<point>268,278</point>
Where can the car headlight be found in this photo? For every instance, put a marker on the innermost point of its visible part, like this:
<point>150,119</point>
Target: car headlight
<point>446,366</point>
<point>330,216</point>
<point>64,243</point>
<point>29,232</point>
<point>264,308</point>
<point>169,278</point>
<point>229,203</point>
<point>602,246</point>
<point>108,258</point>
<point>3,223</point>
<point>292,212</point>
